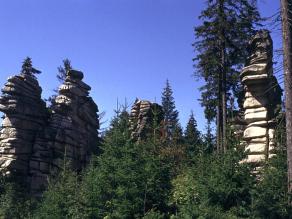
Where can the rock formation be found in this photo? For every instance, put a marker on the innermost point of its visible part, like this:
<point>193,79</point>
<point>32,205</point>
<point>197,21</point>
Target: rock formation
<point>145,117</point>
<point>36,142</point>
<point>71,134</point>
<point>25,116</point>
<point>262,98</point>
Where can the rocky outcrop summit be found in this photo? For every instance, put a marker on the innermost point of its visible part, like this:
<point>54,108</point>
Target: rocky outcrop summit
<point>262,99</point>
<point>35,141</point>
<point>145,117</point>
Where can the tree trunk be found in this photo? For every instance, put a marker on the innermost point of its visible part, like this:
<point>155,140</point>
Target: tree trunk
<point>286,7</point>
<point>223,75</point>
<point>219,117</point>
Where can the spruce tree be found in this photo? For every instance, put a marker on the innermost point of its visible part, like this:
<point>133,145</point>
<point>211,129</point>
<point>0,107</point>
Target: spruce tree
<point>27,68</point>
<point>221,52</point>
<point>209,139</point>
<point>62,70</point>
<point>61,76</point>
<point>170,113</point>
<point>192,136</point>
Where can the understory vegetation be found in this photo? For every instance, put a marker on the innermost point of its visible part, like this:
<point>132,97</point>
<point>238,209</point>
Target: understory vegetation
<point>152,179</point>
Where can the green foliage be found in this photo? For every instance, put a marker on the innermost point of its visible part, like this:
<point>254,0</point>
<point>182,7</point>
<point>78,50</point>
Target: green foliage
<point>15,201</point>
<point>192,137</point>
<point>62,70</point>
<point>27,67</point>
<point>237,24</point>
<point>152,214</point>
<point>170,113</point>
<point>125,181</point>
<point>61,76</point>
<point>62,198</point>
<point>214,187</point>
<point>270,196</point>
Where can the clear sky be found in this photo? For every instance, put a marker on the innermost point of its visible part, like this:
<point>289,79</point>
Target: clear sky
<point>126,48</point>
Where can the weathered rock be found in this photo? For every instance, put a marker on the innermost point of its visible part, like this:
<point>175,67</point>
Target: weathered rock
<point>71,134</point>
<point>255,102</point>
<point>255,114</point>
<point>262,98</point>
<point>34,143</point>
<point>143,117</point>
<point>25,117</point>
<point>254,132</point>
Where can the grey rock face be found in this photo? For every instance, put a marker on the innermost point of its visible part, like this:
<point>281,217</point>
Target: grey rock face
<point>262,98</point>
<point>36,143</point>
<point>71,134</point>
<point>145,116</point>
<point>25,116</point>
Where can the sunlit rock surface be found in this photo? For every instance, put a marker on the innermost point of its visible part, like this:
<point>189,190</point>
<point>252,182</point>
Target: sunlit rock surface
<point>145,117</point>
<point>262,99</point>
<point>37,142</point>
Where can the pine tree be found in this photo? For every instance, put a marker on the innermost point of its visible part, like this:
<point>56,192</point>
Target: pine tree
<point>27,68</point>
<point>221,52</point>
<point>192,136</point>
<point>170,113</point>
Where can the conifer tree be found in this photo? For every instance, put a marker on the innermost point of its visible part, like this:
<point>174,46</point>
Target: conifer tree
<point>209,139</point>
<point>62,70</point>
<point>170,112</point>
<point>192,136</point>
<point>221,52</point>
<point>61,76</point>
<point>27,68</point>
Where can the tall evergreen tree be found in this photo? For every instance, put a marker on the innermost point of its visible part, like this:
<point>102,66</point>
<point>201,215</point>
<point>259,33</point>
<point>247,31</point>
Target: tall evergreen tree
<point>170,113</point>
<point>209,139</point>
<point>192,136</point>
<point>221,52</point>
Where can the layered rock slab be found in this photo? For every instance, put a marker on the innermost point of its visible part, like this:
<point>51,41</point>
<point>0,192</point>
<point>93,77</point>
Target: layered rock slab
<point>25,115</point>
<point>262,98</point>
<point>71,136</point>
<point>37,142</point>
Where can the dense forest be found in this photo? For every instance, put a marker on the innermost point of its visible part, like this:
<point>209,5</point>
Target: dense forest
<point>161,170</point>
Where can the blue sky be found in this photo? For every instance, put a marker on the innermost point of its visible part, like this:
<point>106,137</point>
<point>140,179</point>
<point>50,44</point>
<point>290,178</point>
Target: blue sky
<point>126,48</point>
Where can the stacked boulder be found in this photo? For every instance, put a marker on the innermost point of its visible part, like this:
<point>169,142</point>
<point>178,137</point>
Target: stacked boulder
<point>71,136</point>
<point>262,99</point>
<point>145,118</point>
<point>37,142</point>
<point>25,115</point>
